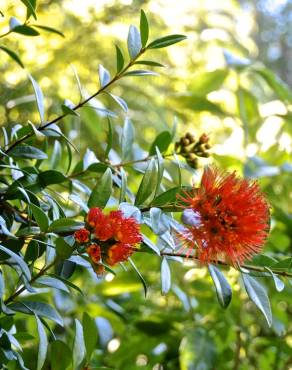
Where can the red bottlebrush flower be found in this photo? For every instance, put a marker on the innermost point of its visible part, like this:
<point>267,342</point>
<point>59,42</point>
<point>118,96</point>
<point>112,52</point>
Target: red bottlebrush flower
<point>82,236</point>
<point>94,252</point>
<point>125,230</point>
<point>118,253</point>
<point>227,218</point>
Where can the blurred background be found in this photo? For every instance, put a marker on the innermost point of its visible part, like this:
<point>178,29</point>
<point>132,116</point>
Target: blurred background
<point>230,79</point>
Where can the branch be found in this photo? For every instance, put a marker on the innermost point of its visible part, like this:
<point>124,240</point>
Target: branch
<point>81,104</point>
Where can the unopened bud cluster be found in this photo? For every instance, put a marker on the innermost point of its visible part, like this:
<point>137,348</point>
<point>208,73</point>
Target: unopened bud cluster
<point>190,148</point>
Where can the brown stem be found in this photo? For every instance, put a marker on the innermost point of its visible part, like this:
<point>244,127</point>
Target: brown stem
<point>81,104</point>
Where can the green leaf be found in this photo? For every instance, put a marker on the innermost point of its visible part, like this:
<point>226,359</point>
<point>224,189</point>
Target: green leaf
<point>43,344</point>
<point>120,59</point>
<point>27,151</point>
<point>49,29</point>
<point>120,101</point>
<point>109,138</point>
<point>39,97</point>
<point>102,191</point>
<point>148,183</point>
<point>149,63</point>
<point>141,72</point>
<point>134,42</point>
<point>41,218</point>
<point>144,28</point>
<point>38,308</point>
<point>204,83</point>
<point>63,249</point>
<point>90,334</point>
<point>30,5</point>
<point>69,111</point>
<point>162,141</point>
<point>25,30</point>
<point>165,41</point>
<point>277,281</point>
<point>165,277</point>
<point>123,185</point>
<point>276,84</point>
<point>223,290</point>
<point>23,266</point>
<point>61,356</point>
<point>160,172</point>
<point>79,345</point>
<point>53,283</point>
<point>12,55</point>
<point>197,104</point>
<point>51,177</point>
<point>170,196</point>
<point>257,293</point>
<point>159,222</point>
<point>127,139</point>
<point>139,275</point>
<point>64,225</point>
<point>104,75</point>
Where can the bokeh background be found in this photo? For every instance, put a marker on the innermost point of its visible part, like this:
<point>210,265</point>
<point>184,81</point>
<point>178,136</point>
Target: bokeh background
<point>230,79</point>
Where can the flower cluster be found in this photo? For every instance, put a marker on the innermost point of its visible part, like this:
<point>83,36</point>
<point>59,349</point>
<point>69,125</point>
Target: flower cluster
<point>190,148</point>
<point>109,238</point>
<point>227,218</point>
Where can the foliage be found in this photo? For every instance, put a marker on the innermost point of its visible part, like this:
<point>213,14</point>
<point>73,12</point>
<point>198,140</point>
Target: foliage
<point>55,312</point>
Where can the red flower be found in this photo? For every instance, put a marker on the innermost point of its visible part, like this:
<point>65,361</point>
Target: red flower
<point>227,217</point>
<point>118,253</point>
<point>82,236</point>
<point>117,235</point>
<point>94,252</point>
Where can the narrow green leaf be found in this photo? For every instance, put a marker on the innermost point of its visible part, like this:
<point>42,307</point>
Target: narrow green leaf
<point>38,308</point>
<point>134,42</point>
<point>90,334</point>
<point>39,97</point>
<point>61,356</point>
<point>144,28</point>
<point>25,30</point>
<point>159,223</point>
<point>43,344</point>
<point>28,152</point>
<point>63,225</point>
<point>139,275</point>
<point>41,218</point>
<point>53,283</point>
<point>63,249</point>
<point>127,139</point>
<point>257,293</point>
<point>120,101</point>
<point>277,281</point>
<point>30,7</point>
<point>165,41</point>
<point>223,290</point>
<point>165,277</point>
<point>123,185</point>
<point>120,59</point>
<point>79,345</point>
<point>109,138</point>
<point>162,141</point>
<point>12,55</point>
<point>160,163</point>
<point>102,191</point>
<point>49,29</point>
<point>149,63</point>
<point>104,76</point>
<point>69,111</point>
<point>18,260</point>
<point>148,183</point>
<point>141,72</point>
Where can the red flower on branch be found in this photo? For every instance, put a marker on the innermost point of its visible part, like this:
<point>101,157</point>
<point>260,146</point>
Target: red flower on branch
<point>117,235</point>
<point>227,218</point>
<point>82,236</point>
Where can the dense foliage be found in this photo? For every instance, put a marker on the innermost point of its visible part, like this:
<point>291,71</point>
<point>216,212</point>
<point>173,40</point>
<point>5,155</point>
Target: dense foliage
<point>84,286</point>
